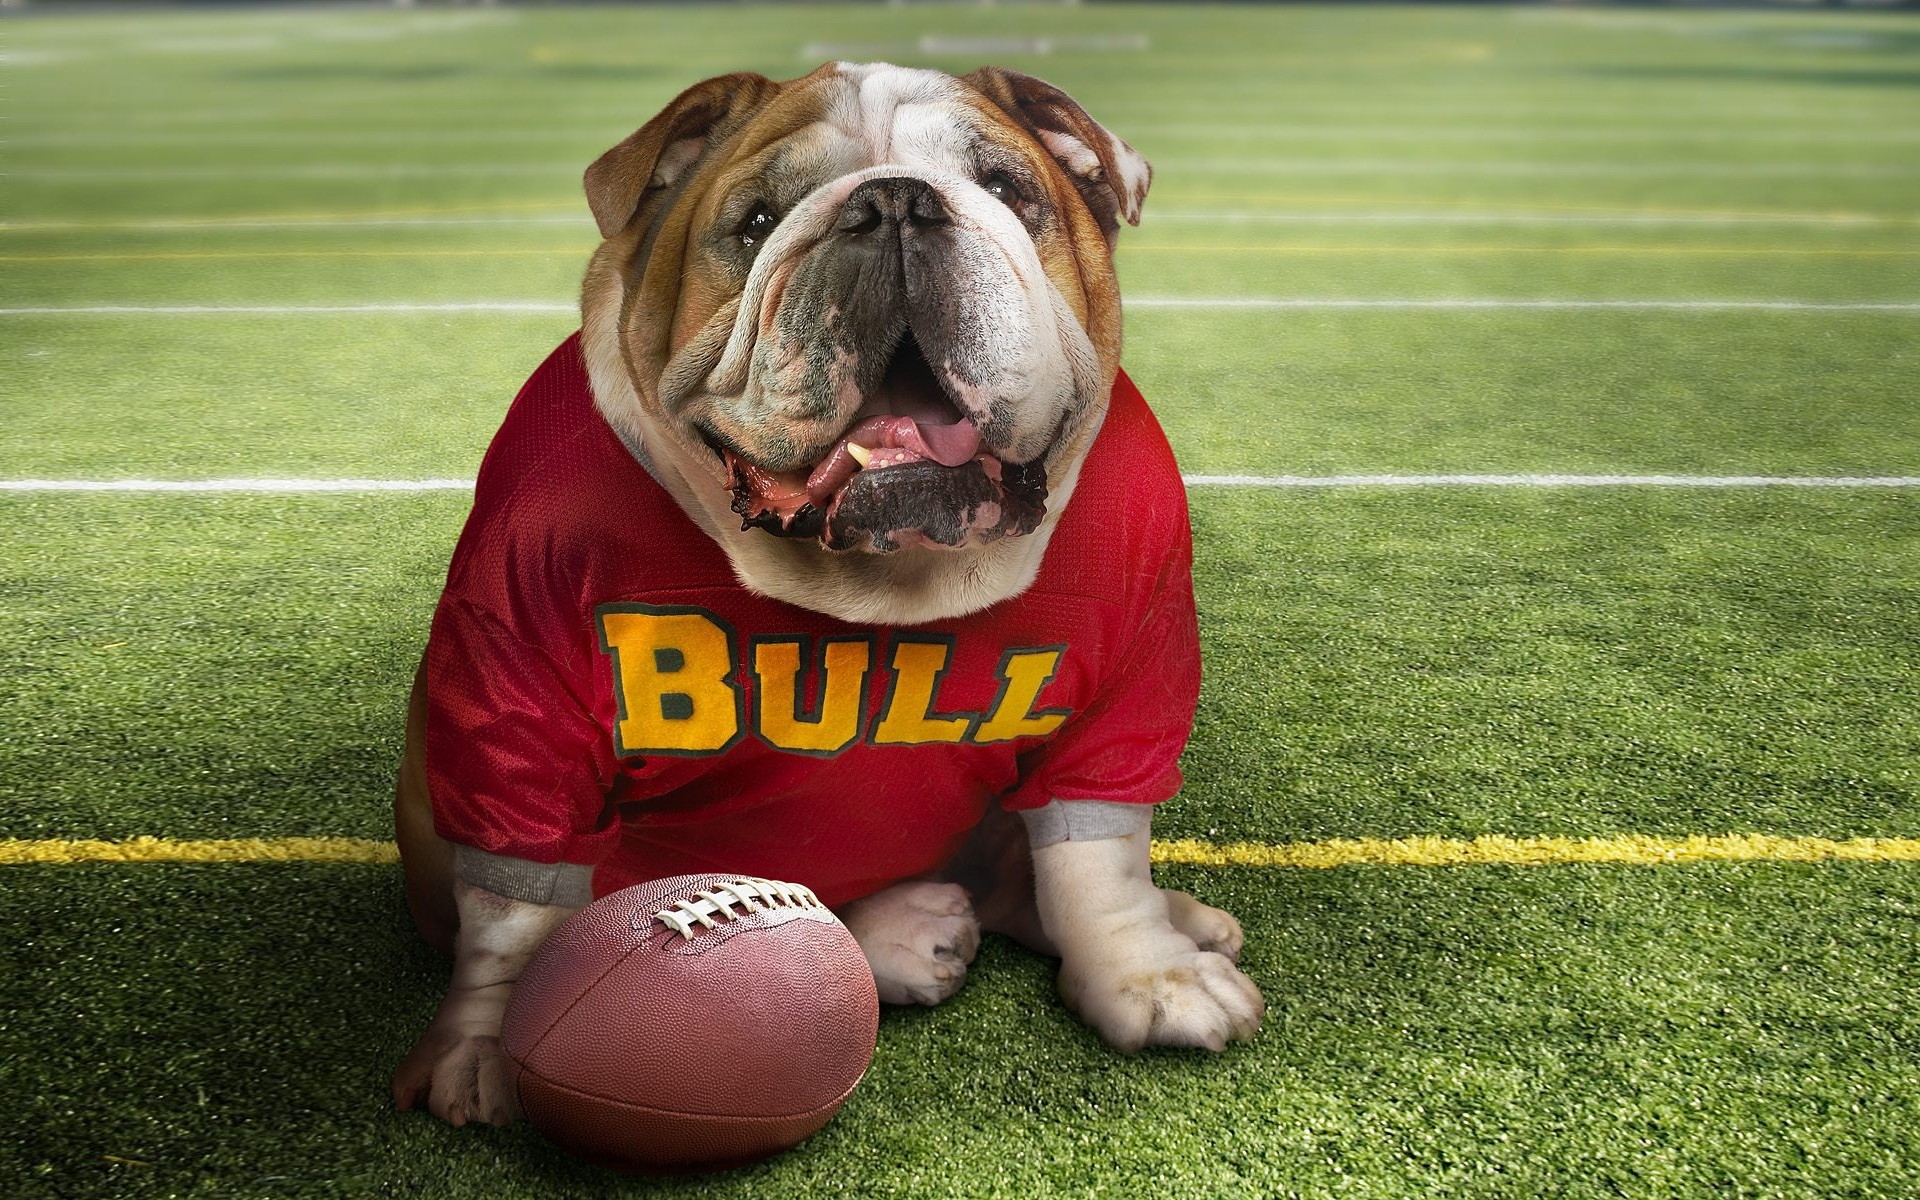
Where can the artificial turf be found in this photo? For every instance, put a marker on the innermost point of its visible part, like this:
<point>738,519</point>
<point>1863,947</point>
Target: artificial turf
<point>1380,662</point>
<point>1723,1031</point>
<point>1244,392</point>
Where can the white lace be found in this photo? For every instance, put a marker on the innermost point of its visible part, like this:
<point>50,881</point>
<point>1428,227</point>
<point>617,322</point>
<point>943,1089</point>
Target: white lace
<point>708,909</point>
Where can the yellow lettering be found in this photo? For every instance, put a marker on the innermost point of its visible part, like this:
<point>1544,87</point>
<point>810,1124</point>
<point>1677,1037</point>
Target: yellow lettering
<point>1023,674</point>
<point>910,719</point>
<point>776,667</point>
<point>673,672</point>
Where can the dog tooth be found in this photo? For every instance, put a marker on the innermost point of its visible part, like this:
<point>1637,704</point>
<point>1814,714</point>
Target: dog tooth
<point>860,453</point>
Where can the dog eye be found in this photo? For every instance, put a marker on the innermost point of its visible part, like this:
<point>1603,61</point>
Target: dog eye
<point>759,224</point>
<point>1001,188</point>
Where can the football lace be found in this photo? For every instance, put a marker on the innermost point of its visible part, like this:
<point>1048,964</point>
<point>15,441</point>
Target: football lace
<point>753,894</point>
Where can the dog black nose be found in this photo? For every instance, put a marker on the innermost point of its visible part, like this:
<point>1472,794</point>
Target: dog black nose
<point>881,205</point>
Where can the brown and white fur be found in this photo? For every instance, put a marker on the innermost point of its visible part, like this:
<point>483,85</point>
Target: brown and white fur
<point>1005,200</point>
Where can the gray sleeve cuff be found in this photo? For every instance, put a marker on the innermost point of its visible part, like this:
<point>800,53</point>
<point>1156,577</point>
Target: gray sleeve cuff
<point>568,884</point>
<point>1085,821</point>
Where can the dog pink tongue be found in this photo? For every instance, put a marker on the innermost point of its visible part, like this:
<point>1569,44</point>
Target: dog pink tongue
<point>948,445</point>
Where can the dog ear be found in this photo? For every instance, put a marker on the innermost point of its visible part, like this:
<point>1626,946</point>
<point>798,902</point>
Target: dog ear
<point>1110,174</point>
<point>660,153</point>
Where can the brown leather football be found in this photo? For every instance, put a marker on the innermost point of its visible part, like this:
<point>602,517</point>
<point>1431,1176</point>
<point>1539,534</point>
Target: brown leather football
<point>691,1023</point>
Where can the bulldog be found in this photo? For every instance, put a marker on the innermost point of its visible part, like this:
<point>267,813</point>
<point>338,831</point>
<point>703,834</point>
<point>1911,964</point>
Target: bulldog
<point>834,548</point>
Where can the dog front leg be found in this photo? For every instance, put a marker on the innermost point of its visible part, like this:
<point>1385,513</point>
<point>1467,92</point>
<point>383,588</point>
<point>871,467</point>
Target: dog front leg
<point>1126,967</point>
<point>457,1067</point>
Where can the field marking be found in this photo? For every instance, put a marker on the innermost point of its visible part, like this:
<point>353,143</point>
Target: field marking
<point>1487,850</point>
<point>327,214</point>
<point>1309,102</point>
<point>1682,131</point>
<point>1470,303</point>
<point>612,132</point>
<point>303,171</point>
<point>50,851</point>
<point>1553,481</point>
<point>252,39</point>
<point>201,225</point>
<point>204,255</point>
<point>1452,207</point>
<point>271,486</point>
<point>1420,166</point>
<point>1498,850</point>
<point>1297,216</point>
<point>1194,302</point>
<point>1525,217</point>
<point>231,310</point>
<point>1402,251</point>
<point>246,486</point>
<point>1242,166</point>
<point>1391,251</point>
<point>1266,197</point>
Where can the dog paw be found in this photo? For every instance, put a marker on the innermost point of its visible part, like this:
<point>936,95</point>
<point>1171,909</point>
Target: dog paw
<point>1169,993</point>
<point>461,1077</point>
<point>1210,928</point>
<point>918,938</point>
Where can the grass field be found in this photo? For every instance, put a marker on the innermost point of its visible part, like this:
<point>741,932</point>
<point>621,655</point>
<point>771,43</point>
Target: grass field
<point>1381,242</point>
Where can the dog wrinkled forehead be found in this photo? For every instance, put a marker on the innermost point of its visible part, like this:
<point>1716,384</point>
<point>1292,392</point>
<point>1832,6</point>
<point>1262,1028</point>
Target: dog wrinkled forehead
<point>845,117</point>
<point>875,113</point>
<point>898,114</point>
<point>852,116</point>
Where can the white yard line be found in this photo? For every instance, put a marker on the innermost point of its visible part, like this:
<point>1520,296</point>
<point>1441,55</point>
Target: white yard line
<point>1138,302</point>
<point>302,171</point>
<point>1320,302</point>
<point>1671,131</point>
<point>1244,165</point>
<point>283,486</point>
<point>216,225</point>
<point>1255,164</point>
<point>1519,217</point>
<point>483,135</point>
<point>1315,216</point>
<point>277,310</point>
<point>235,485</point>
<point>1208,111</point>
<point>617,127</point>
<point>1554,481</point>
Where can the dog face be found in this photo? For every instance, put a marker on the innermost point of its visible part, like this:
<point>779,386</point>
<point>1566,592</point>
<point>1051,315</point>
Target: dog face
<point>863,324</point>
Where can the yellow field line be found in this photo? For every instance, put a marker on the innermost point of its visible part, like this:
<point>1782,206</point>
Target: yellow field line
<point>1489,850</point>
<point>1497,850</point>
<point>1527,203</point>
<point>152,850</point>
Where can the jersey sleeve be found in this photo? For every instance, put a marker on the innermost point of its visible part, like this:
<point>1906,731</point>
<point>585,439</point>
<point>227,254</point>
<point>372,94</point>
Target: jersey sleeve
<point>1126,745</point>
<point>517,763</point>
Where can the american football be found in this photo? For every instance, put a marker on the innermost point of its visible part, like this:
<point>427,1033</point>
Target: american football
<point>691,1023</point>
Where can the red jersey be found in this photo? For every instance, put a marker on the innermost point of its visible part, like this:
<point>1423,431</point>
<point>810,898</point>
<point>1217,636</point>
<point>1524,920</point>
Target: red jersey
<point>602,690</point>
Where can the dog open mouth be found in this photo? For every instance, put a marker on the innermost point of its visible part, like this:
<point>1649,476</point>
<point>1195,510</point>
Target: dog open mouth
<point>911,470</point>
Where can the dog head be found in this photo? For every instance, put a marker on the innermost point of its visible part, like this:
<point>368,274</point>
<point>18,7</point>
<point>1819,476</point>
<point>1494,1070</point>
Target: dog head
<point>863,324</point>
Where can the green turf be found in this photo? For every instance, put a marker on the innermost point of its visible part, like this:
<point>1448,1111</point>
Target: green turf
<point>412,397</point>
<point>1378,664</point>
<point>1381,663</point>
<point>1637,1032</point>
<point>418,396</point>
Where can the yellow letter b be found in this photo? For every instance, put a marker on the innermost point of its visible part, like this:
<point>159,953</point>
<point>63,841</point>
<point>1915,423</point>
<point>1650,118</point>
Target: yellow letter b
<point>673,674</point>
